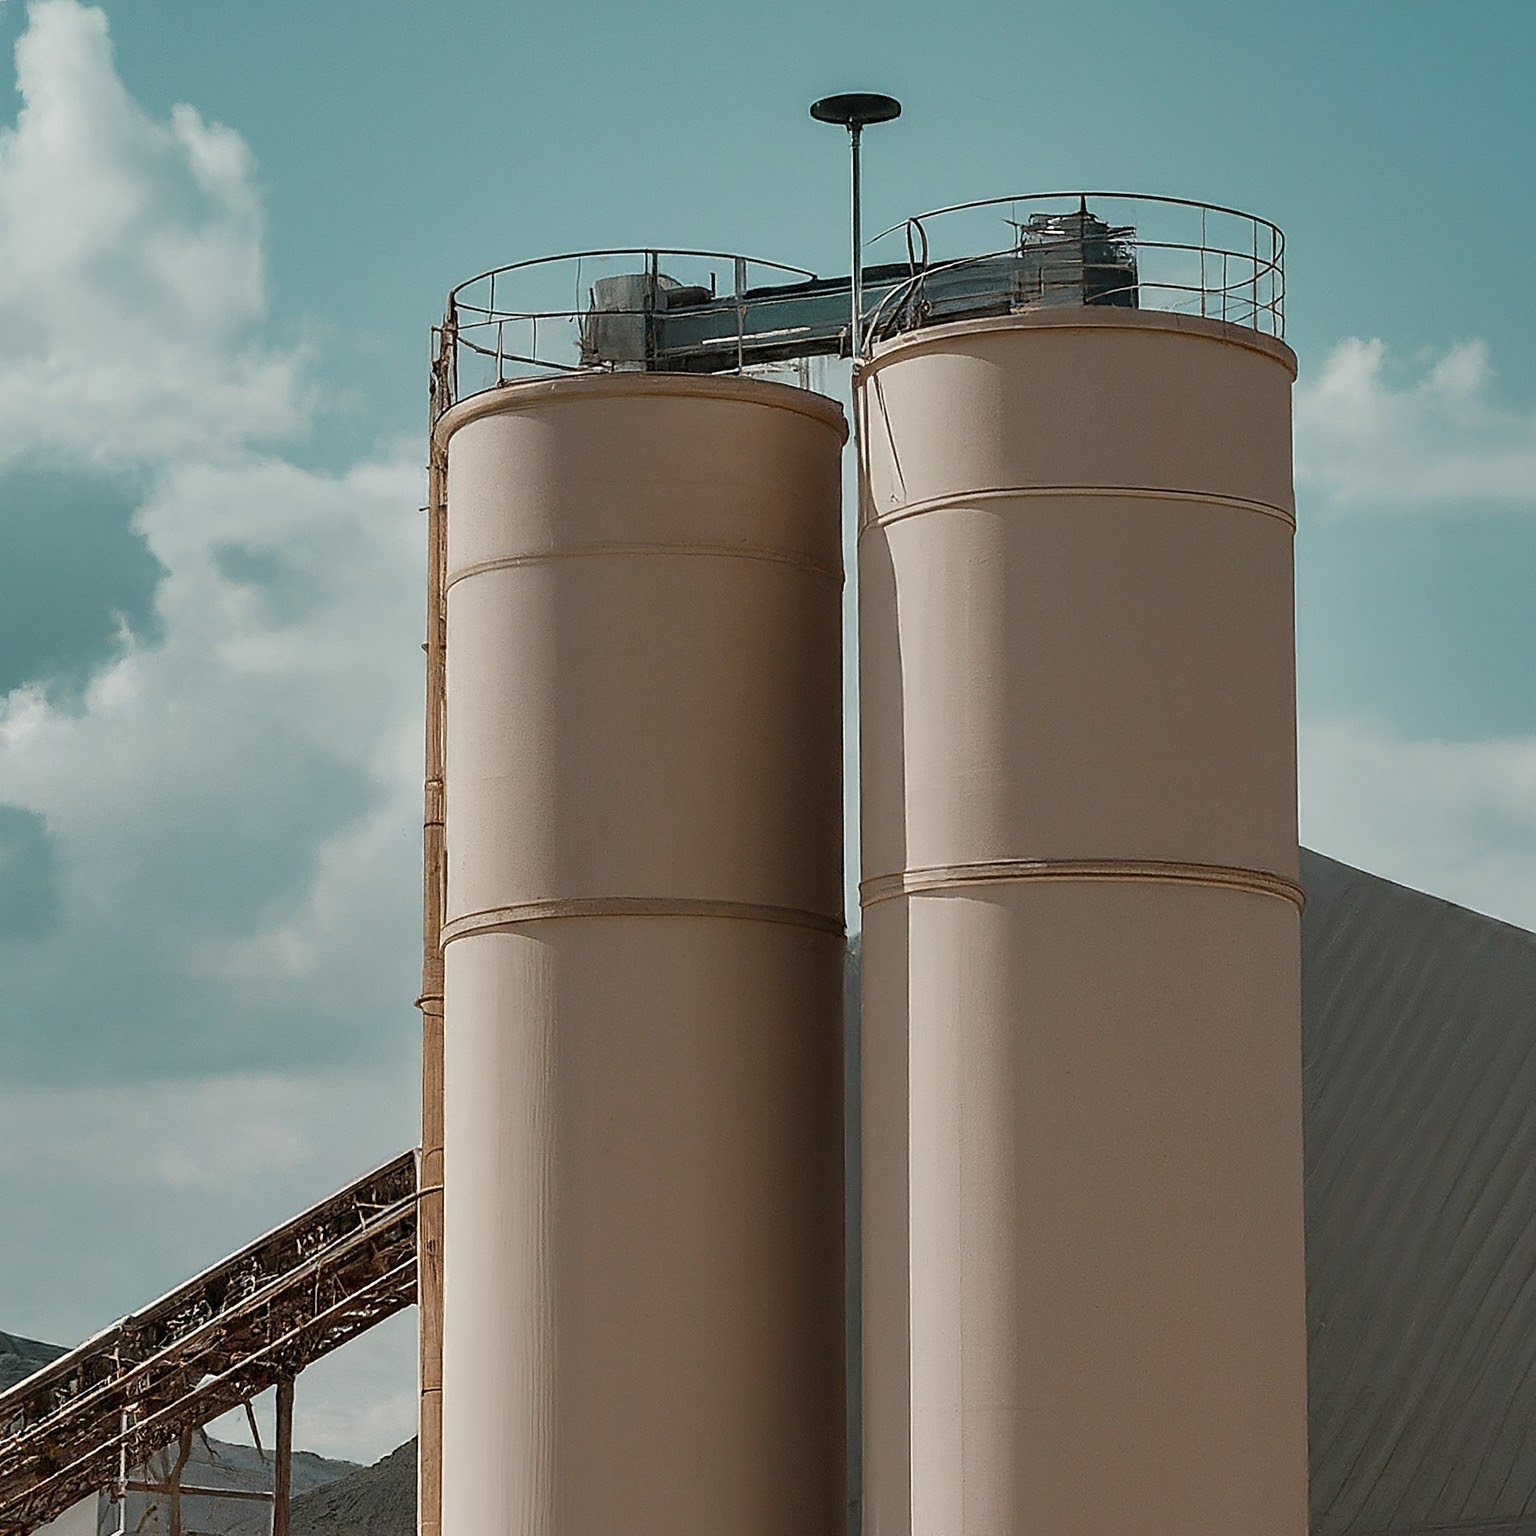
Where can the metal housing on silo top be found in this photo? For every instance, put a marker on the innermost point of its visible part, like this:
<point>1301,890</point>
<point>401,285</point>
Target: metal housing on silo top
<point>1081,1113</point>
<point>643,957</point>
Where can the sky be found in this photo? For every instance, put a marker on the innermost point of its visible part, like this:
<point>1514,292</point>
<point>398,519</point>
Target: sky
<point>225,230</point>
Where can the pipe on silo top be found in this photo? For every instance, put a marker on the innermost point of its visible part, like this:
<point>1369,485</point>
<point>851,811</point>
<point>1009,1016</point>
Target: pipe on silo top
<point>1083,1305</point>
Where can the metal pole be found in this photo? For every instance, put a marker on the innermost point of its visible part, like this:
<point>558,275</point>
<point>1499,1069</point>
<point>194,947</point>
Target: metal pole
<point>853,110</point>
<point>282,1482</point>
<point>434,866</point>
<point>183,1451</point>
<point>855,133</point>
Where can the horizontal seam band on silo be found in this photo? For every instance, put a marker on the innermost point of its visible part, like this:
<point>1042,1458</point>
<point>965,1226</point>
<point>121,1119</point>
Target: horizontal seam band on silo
<point>942,877</point>
<point>1136,492</point>
<point>1147,321</point>
<point>514,396</point>
<point>635,906</point>
<point>707,551</point>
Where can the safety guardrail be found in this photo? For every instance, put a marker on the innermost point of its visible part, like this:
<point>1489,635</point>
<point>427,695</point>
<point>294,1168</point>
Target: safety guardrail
<point>632,307</point>
<point>1134,250</point>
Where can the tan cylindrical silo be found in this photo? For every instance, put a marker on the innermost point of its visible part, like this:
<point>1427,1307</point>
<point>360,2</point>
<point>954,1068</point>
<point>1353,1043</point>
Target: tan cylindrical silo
<point>1083,1281</point>
<point>643,952</point>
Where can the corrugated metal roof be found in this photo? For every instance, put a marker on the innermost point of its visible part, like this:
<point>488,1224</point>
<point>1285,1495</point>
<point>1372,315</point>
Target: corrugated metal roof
<point>1419,1049</point>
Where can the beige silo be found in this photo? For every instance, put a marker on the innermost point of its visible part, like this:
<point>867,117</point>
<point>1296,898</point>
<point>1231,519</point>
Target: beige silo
<point>1082,1200</point>
<point>643,950</point>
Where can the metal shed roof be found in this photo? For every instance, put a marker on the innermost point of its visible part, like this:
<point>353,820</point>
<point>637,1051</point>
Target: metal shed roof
<point>1419,1052</point>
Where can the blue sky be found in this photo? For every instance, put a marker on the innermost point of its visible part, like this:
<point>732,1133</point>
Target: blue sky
<point>224,232</point>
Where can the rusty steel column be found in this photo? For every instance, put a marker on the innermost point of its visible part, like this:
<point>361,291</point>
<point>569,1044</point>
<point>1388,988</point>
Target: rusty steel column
<point>1081,1110</point>
<point>173,1482</point>
<point>429,1213</point>
<point>282,1481</point>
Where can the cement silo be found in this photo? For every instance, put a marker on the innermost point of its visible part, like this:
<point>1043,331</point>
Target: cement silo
<point>643,945</point>
<point>1082,1197</point>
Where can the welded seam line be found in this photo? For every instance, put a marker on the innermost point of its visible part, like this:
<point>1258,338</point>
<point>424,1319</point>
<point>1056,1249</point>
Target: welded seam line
<point>1285,515</point>
<point>941,877</point>
<point>1224,332</point>
<point>634,906</point>
<point>514,396</point>
<point>707,551</point>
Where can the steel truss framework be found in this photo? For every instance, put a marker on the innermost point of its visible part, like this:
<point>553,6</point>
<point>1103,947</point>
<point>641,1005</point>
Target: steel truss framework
<point>94,1416</point>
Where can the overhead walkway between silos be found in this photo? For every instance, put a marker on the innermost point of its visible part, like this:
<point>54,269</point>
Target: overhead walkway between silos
<point>89,1420</point>
<point>702,312</point>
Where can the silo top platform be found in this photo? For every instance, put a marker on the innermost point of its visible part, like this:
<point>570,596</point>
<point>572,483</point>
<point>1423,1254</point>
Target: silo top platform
<point>648,309</point>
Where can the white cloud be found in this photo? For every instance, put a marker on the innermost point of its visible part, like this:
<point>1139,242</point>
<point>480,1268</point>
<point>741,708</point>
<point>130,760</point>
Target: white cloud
<point>232,810</point>
<point>289,606</point>
<point>1442,438</point>
<point>131,272</point>
<point>198,1136</point>
<point>233,807</point>
<point>1455,818</point>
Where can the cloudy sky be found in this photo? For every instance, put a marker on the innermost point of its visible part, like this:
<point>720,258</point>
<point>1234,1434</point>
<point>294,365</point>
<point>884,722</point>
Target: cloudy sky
<point>224,231</point>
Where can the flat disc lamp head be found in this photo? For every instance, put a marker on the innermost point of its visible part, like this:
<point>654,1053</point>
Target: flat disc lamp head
<point>854,109</point>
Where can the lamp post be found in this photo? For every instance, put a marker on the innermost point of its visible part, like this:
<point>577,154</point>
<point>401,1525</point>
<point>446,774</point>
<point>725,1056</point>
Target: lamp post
<point>853,109</point>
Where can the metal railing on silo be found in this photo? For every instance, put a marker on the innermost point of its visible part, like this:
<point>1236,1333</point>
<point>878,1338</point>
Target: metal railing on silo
<point>1010,255</point>
<point>626,309</point>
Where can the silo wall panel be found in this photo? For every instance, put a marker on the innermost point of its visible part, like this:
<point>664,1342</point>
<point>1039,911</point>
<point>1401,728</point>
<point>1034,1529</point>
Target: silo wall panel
<point>656,1337</point>
<point>1081,1031</point>
<point>643,965</point>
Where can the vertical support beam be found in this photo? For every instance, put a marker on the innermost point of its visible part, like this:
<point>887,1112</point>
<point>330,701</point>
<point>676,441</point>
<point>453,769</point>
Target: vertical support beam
<point>856,317</point>
<point>120,1483</point>
<point>855,109</point>
<point>250,1418</point>
<point>282,1478</point>
<point>429,1216</point>
<point>183,1451</point>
